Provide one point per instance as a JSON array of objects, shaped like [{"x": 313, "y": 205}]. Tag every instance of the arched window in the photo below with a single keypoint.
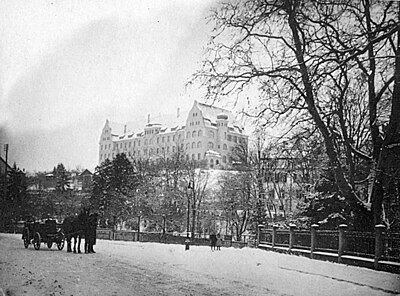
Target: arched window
[
  {"x": 198, "y": 144},
  {"x": 224, "y": 159},
  {"x": 187, "y": 135},
  {"x": 200, "y": 133},
  {"x": 188, "y": 146},
  {"x": 193, "y": 157},
  {"x": 211, "y": 134},
  {"x": 194, "y": 134},
  {"x": 151, "y": 151},
  {"x": 210, "y": 145},
  {"x": 193, "y": 145}
]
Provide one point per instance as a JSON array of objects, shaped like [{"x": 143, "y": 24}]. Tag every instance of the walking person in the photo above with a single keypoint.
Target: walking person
[
  {"x": 219, "y": 242},
  {"x": 213, "y": 241}
]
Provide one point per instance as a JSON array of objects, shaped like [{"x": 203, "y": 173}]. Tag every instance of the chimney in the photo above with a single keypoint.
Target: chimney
[
  {"x": 148, "y": 118},
  {"x": 177, "y": 112}
]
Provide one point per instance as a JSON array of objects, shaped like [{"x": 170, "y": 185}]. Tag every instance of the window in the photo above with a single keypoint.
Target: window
[
  {"x": 200, "y": 133},
  {"x": 101, "y": 156},
  {"x": 168, "y": 149},
  {"x": 173, "y": 138},
  {"x": 210, "y": 134},
  {"x": 224, "y": 159},
  {"x": 199, "y": 144},
  {"x": 151, "y": 142},
  {"x": 217, "y": 162},
  {"x": 163, "y": 139},
  {"x": 120, "y": 145},
  {"x": 198, "y": 156},
  {"x": 187, "y": 146},
  {"x": 193, "y": 157},
  {"x": 187, "y": 135},
  {"x": 194, "y": 133},
  {"x": 173, "y": 148},
  {"x": 168, "y": 139},
  {"x": 130, "y": 143},
  {"x": 211, "y": 162},
  {"x": 225, "y": 147},
  {"x": 193, "y": 145},
  {"x": 229, "y": 138},
  {"x": 210, "y": 145},
  {"x": 158, "y": 140},
  {"x": 145, "y": 142}
]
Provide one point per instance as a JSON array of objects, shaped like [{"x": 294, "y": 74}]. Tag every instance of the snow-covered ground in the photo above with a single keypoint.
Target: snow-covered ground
[{"x": 132, "y": 268}]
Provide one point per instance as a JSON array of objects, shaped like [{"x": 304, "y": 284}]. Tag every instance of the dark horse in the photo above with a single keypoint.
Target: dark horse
[{"x": 74, "y": 227}]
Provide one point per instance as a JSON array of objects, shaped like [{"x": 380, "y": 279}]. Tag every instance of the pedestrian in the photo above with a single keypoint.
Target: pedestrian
[
  {"x": 219, "y": 242},
  {"x": 90, "y": 235},
  {"x": 213, "y": 240}
]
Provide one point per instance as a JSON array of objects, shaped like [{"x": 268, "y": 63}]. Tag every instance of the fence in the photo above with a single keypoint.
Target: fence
[
  {"x": 171, "y": 238},
  {"x": 379, "y": 249}
]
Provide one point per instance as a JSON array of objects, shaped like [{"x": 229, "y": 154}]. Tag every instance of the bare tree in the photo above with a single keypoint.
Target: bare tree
[{"x": 307, "y": 62}]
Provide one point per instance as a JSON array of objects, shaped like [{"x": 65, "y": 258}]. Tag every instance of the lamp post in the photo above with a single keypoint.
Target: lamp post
[{"x": 190, "y": 186}]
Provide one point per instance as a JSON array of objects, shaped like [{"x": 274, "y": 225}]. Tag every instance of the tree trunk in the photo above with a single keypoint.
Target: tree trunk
[{"x": 364, "y": 218}]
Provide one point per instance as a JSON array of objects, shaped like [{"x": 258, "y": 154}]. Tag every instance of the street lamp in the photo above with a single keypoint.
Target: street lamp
[{"x": 190, "y": 186}]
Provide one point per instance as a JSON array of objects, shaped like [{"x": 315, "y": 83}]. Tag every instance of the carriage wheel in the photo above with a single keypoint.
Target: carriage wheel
[
  {"x": 49, "y": 244},
  {"x": 36, "y": 241},
  {"x": 60, "y": 244},
  {"x": 26, "y": 238},
  {"x": 60, "y": 238}
]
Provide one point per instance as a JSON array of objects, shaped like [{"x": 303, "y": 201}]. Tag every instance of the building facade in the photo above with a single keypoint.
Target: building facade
[{"x": 208, "y": 133}]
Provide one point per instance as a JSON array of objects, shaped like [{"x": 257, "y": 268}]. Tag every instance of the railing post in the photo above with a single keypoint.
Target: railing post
[
  {"x": 274, "y": 229},
  {"x": 378, "y": 244},
  {"x": 342, "y": 241},
  {"x": 313, "y": 246},
  {"x": 292, "y": 228},
  {"x": 259, "y": 230}
]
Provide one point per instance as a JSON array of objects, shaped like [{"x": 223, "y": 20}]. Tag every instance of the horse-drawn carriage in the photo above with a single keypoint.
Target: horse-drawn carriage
[
  {"x": 79, "y": 226},
  {"x": 48, "y": 232}
]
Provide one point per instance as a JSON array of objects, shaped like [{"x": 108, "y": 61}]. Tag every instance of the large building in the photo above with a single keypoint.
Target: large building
[{"x": 208, "y": 133}]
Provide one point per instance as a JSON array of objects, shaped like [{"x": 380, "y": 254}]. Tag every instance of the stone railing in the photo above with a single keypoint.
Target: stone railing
[{"x": 379, "y": 249}]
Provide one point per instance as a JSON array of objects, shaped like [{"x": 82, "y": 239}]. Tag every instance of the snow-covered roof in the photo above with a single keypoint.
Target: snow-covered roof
[
  {"x": 211, "y": 114},
  {"x": 212, "y": 153},
  {"x": 133, "y": 129}
]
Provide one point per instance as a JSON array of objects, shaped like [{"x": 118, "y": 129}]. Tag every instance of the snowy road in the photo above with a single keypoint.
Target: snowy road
[{"x": 131, "y": 268}]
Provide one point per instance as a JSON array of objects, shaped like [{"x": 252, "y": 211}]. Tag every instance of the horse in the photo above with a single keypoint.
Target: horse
[{"x": 74, "y": 227}]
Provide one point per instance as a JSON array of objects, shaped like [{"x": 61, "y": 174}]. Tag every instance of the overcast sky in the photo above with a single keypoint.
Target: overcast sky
[{"x": 67, "y": 66}]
